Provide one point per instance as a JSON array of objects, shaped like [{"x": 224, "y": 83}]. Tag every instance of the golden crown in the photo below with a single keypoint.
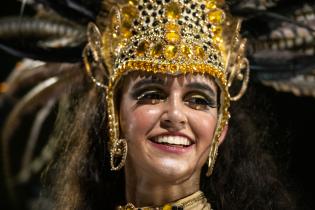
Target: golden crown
[
  {"x": 165, "y": 36},
  {"x": 166, "y": 32}
]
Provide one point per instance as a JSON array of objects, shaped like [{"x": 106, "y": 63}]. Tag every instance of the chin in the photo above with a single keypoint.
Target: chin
[{"x": 173, "y": 171}]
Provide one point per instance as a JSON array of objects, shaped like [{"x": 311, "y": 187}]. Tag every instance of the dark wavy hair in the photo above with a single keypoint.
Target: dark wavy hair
[{"x": 245, "y": 175}]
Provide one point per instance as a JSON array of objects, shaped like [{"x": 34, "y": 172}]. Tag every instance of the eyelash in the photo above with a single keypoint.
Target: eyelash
[
  {"x": 194, "y": 100},
  {"x": 199, "y": 102},
  {"x": 151, "y": 97}
]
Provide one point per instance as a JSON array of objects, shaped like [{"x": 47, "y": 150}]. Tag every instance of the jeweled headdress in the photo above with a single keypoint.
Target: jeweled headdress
[{"x": 169, "y": 37}]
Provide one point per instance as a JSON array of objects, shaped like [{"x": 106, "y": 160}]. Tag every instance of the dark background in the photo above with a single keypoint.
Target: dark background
[{"x": 292, "y": 127}]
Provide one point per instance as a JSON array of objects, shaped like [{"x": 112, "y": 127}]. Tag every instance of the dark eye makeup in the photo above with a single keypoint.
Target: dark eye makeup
[
  {"x": 149, "y": 95},
  {"x": 149, "y": 90},
  {"x": 199, "y": 101},
  {"x": 199, "y": 96}
]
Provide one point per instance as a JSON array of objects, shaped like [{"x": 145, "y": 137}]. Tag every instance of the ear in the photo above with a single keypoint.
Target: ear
[{"x": 223, "y": 134}]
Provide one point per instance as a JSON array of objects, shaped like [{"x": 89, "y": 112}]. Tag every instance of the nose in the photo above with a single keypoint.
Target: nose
[{"x": 174, "y": 117}]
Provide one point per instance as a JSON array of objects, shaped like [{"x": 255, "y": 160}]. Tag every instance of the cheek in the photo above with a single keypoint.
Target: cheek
[
  {"x": 204, "y": 126},
  {"x": 139, "y": 121}
]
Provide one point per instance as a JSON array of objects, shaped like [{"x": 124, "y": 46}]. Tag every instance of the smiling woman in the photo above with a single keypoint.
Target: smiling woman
[
  {"x": 168, "y": 123},
  {"x": 143, "y": 127}
]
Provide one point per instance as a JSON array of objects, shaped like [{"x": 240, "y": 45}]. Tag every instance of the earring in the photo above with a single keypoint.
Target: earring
[
  {"x": 212, "y": 157},
  {"x": 118, "y": 153}
]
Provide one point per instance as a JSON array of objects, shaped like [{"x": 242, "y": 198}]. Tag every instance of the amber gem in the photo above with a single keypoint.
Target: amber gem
[
  {"x": 142, "y": 48},
  {"x": 167, "y": 207},
  {"x": 216, "y": 17},
  {"x": 170, "y": 51},
  {"x": 126, "y": 30},
  {"x": 217, "y": 40},
  {"x": 173, "y": 11},
  {"x": 172, "y": 27},
  {"x": 185, "y": 50},
  {"x": 211, "y": 4},
  {"x": 130, "y": 12},
  {"x": 199, "y": 52},
  {"x": 172, "y": 37},
  {"x": 218, "y": 43},
  {"x": 157, "y": 50},
  {"x": 133, "y": 2},
  {"x": 126, "y": 33},
  {"x": 217, "y": 30}
]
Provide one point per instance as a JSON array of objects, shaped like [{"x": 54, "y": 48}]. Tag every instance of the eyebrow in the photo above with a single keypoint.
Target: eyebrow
[
  {"x": 202, "y": 86},
  {"x": 146, "y": 81}
]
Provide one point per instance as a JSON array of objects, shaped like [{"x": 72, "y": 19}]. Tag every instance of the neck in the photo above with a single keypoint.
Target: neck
[{"x": 147, "y": 190}]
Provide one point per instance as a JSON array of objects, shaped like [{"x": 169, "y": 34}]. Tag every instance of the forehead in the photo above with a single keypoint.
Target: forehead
[{"x": 165, "y": 79}]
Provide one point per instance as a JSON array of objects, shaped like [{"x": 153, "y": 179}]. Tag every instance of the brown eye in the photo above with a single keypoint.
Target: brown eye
[
  {"x": 199, "y": 102},
  {"x": 151, "y": 97}
]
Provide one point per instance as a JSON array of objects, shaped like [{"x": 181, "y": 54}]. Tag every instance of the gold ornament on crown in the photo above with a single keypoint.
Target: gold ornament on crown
[{"x": 170, "y": 37}]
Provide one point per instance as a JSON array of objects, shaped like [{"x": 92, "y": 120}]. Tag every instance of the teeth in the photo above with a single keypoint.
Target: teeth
[{"x": 176, "y": 140}]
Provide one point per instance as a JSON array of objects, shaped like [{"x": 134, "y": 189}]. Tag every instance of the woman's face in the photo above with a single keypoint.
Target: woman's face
[{"x": 169, "y": 123}]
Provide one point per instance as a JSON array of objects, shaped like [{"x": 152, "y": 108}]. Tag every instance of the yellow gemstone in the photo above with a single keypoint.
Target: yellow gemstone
[
  {"x": 217, "y": 40},
  {"x": 142, "y": 48},
  {"x": 162, "y": 68},
  {"x": 199, "y": 52},
  {"x": 218, "y": 43},
  {"x": 115, "y": 35},
  {"x": 157, "y": 50},
  {"x": 155, "y": 69},
  {"x": 133, "y": 2},
  {"x": 127, "y": 19},
  {"x": 126, "y": 30},
  {"x": 172, "y": 37},
  {"x": 172, "y": 27},
  {"x": 185, "y": 50},
  {"x": 173, "y": 11},
  {"x": 173, "y": 68},
  {"x": 216, "y": 17},
  {"x": 129, "y": 65},
  {"x": 126, "y": 33},
  {"x": 170, "y": 52},
  {"x": 167, "y": 207},
  {"x": 126, "y": 24},
  {"x": 130, "y": 11},
  {"x": 217, "y": 30},
  {"x": 211, "y": 4}
]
